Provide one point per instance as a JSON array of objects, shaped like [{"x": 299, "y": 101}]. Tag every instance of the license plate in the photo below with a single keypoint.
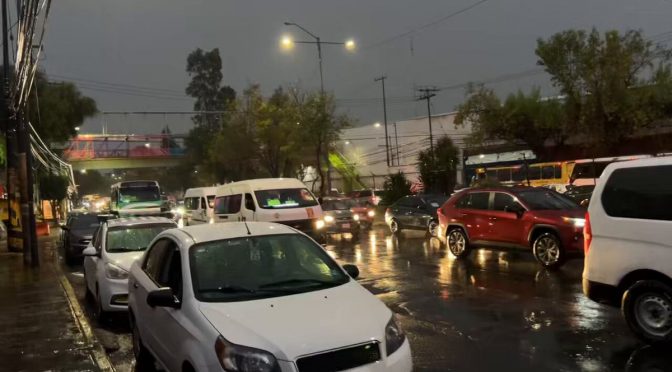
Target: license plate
[{"x": 345, "y": 225}]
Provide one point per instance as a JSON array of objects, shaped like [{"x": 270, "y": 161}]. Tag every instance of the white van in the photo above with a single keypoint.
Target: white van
[
  {"x": 282, "y": 200},
  {"x": 199, "y": 205},
  {"x": 628, "y": 244}
]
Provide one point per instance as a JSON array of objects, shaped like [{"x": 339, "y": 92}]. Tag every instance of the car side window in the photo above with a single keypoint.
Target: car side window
[
  {"x": 170, "y": 273},
  {"x": 155, "y": 257},
  {"x": 476, "y": 200},
  {"x": 642, "y": 193},
  {"x": 503, "y": 200},
  {"x": 204, "y": 206},
  {"x": 228, "y": 204},
  {"x": 249, "y": 202}
]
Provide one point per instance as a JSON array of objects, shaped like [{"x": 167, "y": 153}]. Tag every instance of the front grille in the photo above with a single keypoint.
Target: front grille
[
  {"x": 342, "y": 359},
  {"x": 344, "y": 219},
  {"x": 301, "y": 225}
]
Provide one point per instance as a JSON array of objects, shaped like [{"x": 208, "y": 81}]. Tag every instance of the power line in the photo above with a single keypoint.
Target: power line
[{"x": 425, "y": 26}]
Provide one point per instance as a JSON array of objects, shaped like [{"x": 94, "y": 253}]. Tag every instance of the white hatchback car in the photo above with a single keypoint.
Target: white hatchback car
[
  {"x": 115, "y": 246},
  {"x": 258, "y": 297},
  {"x": 628, "y": 244}
]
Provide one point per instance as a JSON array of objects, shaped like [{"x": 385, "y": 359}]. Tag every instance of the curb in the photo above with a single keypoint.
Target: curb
[{"x": 99, "y": 354}]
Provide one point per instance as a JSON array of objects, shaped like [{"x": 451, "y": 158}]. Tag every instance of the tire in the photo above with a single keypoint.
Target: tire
[
  {"x": 395, "y": 227},
  {"x": 88, "y": 295},
  {"x": 458, "y": 242},
  {"x": 548, "y": 250},
  {"x": 647, "y": 308},
  {"x": 98, "y": 311},
  {"x": 432, "y": 228},
  {"x": 143, "y": 359}
]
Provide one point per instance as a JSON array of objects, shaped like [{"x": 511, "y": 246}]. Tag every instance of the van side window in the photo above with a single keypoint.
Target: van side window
[
  {"x": 642, "y": 193},
  {"x": 228, "y": 204},
  {"x": 249, "y": 202},
  {"x": 203, "y": 205},
  {"x": 191, "y": 204}
]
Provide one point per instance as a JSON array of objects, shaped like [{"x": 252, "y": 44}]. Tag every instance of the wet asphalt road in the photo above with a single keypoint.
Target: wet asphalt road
[{"x": 494, "y": 311}]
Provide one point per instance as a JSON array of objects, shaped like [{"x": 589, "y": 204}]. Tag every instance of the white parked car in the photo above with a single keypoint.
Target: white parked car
[
  {"x": 115, "y": 246},
  {"x": 257, "y": 297},
  {"x": 628, "y": 244}
]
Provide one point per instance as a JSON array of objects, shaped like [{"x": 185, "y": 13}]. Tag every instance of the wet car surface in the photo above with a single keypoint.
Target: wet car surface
[{"x": 496, "y": 310}]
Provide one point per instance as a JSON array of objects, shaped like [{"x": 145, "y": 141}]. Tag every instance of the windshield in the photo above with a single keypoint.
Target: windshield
[
  {"x": 285, "y": 198},
  {"x": 133, "y": 238},
  {"x": 257, "y": 267},
  {"x": 333, "y": 205},
  {"x": 139, "y": 194},
  {"x": 85, "y": 221},
  {"x": 544, "y": 199}
]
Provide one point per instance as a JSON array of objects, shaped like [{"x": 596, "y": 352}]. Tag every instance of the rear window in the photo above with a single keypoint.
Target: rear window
[
  {"x": 87, "y": 221},
  {"x": 642, "y": 193},
  {"x": 228, "y": 204}
]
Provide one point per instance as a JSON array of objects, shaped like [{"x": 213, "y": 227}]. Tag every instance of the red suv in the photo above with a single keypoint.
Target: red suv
[{"x": 539, "y": 219}]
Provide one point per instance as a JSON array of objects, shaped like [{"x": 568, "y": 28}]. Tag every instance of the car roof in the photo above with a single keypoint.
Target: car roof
[
  {"x": 230, "y": 230},
  {"x": 661, "y": 160},
  {"x": 134, "y": 221}
]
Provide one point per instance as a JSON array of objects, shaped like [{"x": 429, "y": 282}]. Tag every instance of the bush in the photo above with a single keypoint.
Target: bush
[{"x": 396, "y": 186}]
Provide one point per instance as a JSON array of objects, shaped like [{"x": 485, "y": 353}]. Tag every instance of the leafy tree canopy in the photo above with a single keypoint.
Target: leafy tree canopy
[{"x": 438, "y": 172}]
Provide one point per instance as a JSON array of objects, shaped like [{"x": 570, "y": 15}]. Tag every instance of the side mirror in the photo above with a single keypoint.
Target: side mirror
[
  {"x": 90, "y": 251},
  {"x": 517, "y": 209},
  {"x": 352, "y": 270},
  {"x": 65, "y": 227},
  {"x": 163, "y": 297}
]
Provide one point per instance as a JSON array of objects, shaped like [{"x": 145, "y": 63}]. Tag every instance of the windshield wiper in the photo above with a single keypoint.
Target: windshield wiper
[
  {"x": 302, "y": 281},
  {"x": 125, "y": 249},
  {"x": 233, "y": 288}
]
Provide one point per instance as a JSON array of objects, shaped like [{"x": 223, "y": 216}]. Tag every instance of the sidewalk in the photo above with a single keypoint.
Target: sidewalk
[{"x": 41, "y": 328}]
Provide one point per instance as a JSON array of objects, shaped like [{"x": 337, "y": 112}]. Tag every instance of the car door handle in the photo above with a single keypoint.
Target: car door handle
[{"x": 135, "y": 285}]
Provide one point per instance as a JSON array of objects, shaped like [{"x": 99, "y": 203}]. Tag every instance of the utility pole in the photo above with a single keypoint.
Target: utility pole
[
  {"x": 387, "y": 143},
  {"x": 396, "y": 143},
  {"x": 9, "y": 128},
  {"x": 427, "y": 94}
]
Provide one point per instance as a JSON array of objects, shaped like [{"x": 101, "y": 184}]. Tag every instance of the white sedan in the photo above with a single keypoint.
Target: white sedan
[
  {"x": 115, "y": 246},
  {"x": 258, "y": 297}
]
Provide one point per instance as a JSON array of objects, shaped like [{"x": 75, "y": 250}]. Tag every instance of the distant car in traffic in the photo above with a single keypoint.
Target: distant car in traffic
[
  {"x": 628, "y": 245},
  {"x": 76, "y": 234},
  {"x": 536, "y": 219},
  {"x": 365, "y": 212},
  {"x": 371, "y": 196},
  {"x": 415, "y": 213},
  {"x": 256, "y": 296},
  {"x": 108, "y": 258},
  {"x": 580, "y": 194},
  {"x": 338, "y": 218}
]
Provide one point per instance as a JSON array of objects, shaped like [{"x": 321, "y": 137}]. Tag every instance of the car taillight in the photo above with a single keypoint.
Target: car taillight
[{"x": 587, "y": 234}]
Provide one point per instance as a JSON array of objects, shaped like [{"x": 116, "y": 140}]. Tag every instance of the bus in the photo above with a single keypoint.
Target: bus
[
  {"x": 557, "y": 175},
  {"x": 138, "y": 198}
]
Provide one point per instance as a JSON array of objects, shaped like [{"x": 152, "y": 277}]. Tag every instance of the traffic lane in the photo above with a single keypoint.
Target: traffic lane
[
  {"x": 113, "y": 333},
  {"x": 494, "y": 309}
]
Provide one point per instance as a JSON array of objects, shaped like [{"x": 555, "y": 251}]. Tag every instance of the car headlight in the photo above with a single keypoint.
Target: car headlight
[
  {"x": 319, "y": 224},
  {"x": 371, "y": 213},
  {"x": 355, "y": 217},
  {"x": 577, "y": 222},
  {"x": 244, "y": 359},
  {"x": 328, "y": 219},
  {"x": 394, "y": 336},
  {"x": 113, "y": 271}
]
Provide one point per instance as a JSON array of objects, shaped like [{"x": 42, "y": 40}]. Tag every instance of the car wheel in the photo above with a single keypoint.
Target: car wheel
[
  {"x": 99, "y": 312},
  {"x": 432, "y": 228},
  {"x": 458, "y": 244},
  {"x": 143, "y": 358},
  {"x": 548, "y": 251},
  {"x": 394, "y": 227},
  {"x": 647, "y": 308}
]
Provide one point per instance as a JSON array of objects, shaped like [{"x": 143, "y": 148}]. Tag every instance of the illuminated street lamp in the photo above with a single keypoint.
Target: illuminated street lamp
[
  {"x": 287, "y": 43},
  {"x": 376, "y": 125},
  {"x": 76, "y": 129}
]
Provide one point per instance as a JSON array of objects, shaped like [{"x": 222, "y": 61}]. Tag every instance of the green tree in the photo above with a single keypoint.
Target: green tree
[
  {"x": 54, "y": 188},
  {"x": 612, "y": 84},
  {"x": 438, "y": 172},
  {"x": 396, "y": 186},
  {"x": 205, "y": 70},
  {"x": 58, "y": 109}
]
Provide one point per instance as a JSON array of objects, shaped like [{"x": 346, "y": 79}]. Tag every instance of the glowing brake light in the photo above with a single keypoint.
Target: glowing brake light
[{"x": 587, "y": 234}]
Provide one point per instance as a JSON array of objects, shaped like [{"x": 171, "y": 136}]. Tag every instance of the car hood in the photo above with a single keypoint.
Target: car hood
[
  {"x": 305, "y": 323},
  {"x": 124, "y": 259},
  {"x": 558, "y": 214},
  {"x": 339, "y": 213}
]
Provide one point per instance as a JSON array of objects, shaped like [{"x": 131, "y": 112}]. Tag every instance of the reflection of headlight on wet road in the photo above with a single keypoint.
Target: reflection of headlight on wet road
[
  {"x": 328, "y": 219},
  {"x": 319, "y": 224}
]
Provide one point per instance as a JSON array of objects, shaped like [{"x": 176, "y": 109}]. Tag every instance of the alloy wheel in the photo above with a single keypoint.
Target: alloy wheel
[
  {"x": 432, "y": 228},
  {"x": 547, "y": 250},
  {"x": 456, "y": 242}
]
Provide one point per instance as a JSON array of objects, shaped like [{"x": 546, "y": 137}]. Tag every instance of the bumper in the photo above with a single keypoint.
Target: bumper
[
  {"x": 352, "y": 227},
  {"x": 114, "y": 294},
  {"x": 602, "y": 293}
]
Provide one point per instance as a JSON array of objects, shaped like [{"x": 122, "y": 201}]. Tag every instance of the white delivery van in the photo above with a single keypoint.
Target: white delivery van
[
  {"x": 282, "y": 200},
  {"x": 199, "y": 205}
]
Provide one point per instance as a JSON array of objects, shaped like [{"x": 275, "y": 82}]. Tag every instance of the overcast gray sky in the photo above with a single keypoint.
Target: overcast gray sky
[{"x": 144, "y": 44}]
